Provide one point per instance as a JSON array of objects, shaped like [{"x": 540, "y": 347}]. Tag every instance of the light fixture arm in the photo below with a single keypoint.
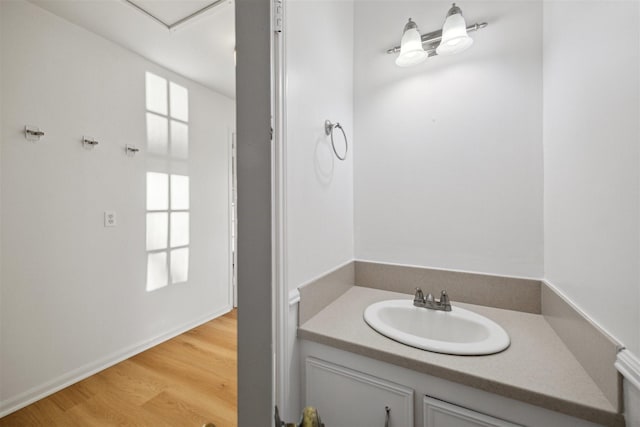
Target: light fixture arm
[{"x": 433, "y": 38}]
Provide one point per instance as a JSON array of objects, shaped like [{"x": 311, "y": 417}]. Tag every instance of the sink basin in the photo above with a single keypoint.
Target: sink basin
[{"x": 458, "y": 331}]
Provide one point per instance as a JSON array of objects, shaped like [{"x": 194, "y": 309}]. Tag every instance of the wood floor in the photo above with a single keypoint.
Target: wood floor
[{"x": 187, "y": 381}]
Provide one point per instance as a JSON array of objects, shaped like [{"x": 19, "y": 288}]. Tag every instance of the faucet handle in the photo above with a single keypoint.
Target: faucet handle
[
  {"x": 444, "y": 297},
  {"x": 419, "y": 296},
  {"x": 444, "y": 300}
]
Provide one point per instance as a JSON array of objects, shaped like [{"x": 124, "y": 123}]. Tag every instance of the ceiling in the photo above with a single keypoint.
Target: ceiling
[
  {"x": 172, "y": 12},
  {"x": 201, "y": 49}
]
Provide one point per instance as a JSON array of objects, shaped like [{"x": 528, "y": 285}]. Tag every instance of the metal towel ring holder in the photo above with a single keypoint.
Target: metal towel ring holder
[{"x": 328, "y": 130}]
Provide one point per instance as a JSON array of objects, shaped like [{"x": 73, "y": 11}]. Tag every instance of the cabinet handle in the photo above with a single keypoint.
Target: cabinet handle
[{"x": 387, "y": 417}]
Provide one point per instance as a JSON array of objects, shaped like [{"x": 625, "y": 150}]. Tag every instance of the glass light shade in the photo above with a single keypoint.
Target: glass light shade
[
  {"x": 454, "y": 36},
  {"x": 411, "y": 51}
]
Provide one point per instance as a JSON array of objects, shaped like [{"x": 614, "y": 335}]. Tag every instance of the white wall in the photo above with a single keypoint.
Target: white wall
[
  {"x": 73, "y": 291},
  {"x": 319, "y": 188},
  {"x": 591, "y": 160},
  {"x": 448, "y": 163},
  {"x": 319, "y": 74}
]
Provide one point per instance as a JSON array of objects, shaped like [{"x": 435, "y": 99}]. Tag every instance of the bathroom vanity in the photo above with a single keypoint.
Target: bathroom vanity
[{"x": 358, "y": 377}]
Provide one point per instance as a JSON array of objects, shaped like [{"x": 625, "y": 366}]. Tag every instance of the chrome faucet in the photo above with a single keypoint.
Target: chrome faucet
[{"x": 443, "y": 303}]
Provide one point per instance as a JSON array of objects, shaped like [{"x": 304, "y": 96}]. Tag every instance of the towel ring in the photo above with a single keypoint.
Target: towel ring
[{"x": 328, "y": 130}]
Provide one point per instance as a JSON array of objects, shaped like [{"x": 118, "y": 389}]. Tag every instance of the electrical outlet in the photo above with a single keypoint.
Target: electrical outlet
[{"x": 110, "y": 219}]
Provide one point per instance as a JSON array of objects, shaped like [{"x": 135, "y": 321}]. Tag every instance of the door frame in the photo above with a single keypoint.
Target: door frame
[{"x": 255, "y": 212}]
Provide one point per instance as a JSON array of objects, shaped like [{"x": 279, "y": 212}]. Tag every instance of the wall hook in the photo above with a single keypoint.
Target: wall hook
[
  {"x": 89, "y": 142},
  {"x": 32, "y": 133},
  {"x": 131, "y": 150}
]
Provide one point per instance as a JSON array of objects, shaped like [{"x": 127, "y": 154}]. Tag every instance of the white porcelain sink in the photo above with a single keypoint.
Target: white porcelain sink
[{"x": 458, "y": 331}]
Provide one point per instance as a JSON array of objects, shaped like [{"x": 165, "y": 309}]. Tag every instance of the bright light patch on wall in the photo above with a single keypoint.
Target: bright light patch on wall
[
  {"x": 157, "y": 134},
  {"x": 179, "y": 103},
  {"x": 179, "y": 229},
  {"x": 156, "y": 94},
  {"x": 157, "y": 191},
  {"x": 157, "y": 230},
  {"x": 157, "y": 276},
  {"x": 168, "y": 216},
  {"x": 180, "y": 265},
  {"x": 179, "y": 192},
  {"x": 179, "y": 140}
]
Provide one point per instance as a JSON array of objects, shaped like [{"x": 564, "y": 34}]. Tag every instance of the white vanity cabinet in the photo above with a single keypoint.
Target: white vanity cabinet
[
  {"x": 347, "y": 398},
  {"x": 437, "y": 413},
  {"x": 351, "y": 390}
]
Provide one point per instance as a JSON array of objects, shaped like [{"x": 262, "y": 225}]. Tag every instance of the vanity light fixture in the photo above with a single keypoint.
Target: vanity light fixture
[
  {"x": 453, "y": 38},
  {"x": 411, "y": 50},
  {"x": 454, "y": 33}
]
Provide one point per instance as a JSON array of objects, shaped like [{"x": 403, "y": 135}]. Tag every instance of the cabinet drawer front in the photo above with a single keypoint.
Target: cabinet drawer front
[
  {"x": 442, "y": 414},
  {"x": 347, "y": 398}
]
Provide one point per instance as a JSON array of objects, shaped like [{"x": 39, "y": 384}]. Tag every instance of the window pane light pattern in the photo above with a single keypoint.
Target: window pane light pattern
[
  {"x": 157, "y": 134},
  {"x": 179, "y": 140},
  {"x": 156, "y": 93},
  {"x": 168, "y": 229},
  {"x": 167, "y": 204},
  {"x": 179, "y": 105}
]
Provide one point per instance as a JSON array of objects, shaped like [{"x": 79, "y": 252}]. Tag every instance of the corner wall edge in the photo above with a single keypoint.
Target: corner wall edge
[
  {"x": 628, "y": 365},
  {"x": 294, "y": 297}
]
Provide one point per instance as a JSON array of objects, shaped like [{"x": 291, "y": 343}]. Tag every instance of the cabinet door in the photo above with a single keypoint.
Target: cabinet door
[
  {"x": 442, "y": 414},
  {"x": 347, "y": 398}
]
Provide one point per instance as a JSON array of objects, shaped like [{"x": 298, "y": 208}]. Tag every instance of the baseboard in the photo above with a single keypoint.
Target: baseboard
[
  {"x": 629, "y": 366},
  {"x": 36, "y": 393}
]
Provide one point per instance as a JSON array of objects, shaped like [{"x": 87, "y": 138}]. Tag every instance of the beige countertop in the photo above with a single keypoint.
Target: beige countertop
[{"x": 537, "y": 368}]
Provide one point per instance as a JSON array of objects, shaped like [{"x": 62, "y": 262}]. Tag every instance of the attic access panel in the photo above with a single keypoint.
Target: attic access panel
[{"x": 172, "y": 14}]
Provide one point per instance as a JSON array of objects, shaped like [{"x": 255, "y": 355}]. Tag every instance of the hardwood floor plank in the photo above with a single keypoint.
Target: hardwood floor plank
[
  {"x": 181, "y": 411},
  {"x": 69, "y": 397},
  {"x": 110, "y": 382},
  {"x": 190, "y": 363},
  {"x": 175, "y": 411},
  {"x": 111, "y": 409},
  {"x": 40, "y": 414},
  {"x": 187, "y": 381}
]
